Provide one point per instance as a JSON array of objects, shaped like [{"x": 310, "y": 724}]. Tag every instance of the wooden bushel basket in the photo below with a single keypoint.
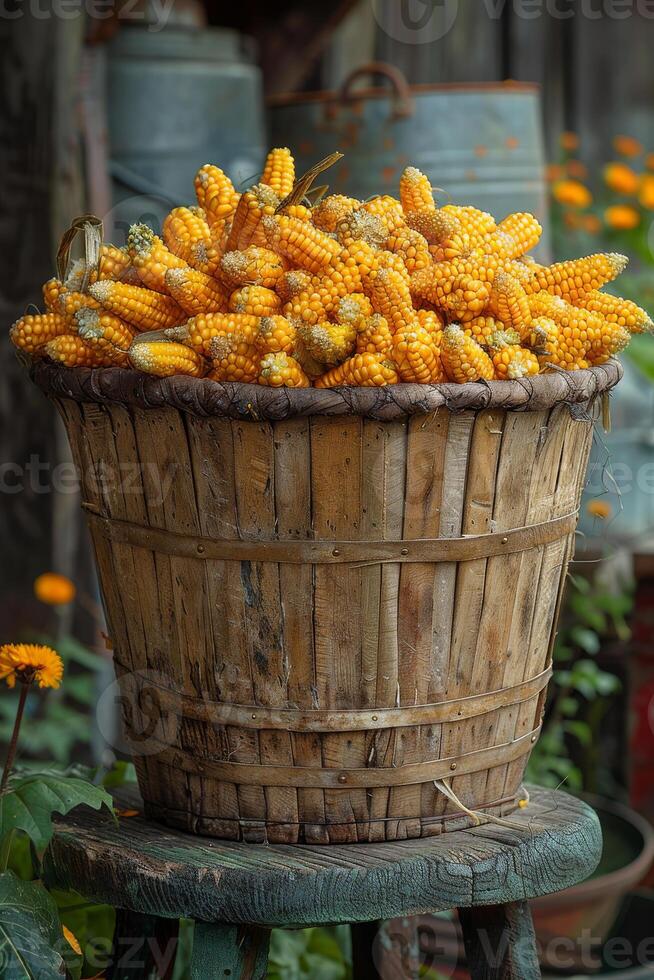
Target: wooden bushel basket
[{"x": 332, "y": 611}]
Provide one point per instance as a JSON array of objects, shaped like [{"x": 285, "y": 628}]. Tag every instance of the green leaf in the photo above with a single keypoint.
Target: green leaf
[
  {"x": 581, "y": 731},
  {"x": 587, "y": 639},
  {"x": 568, "y": 707},
  {"x": 30, "y": 801},
  {"x": 121, "y": 773},
  {"x": 32, "y": 945}
]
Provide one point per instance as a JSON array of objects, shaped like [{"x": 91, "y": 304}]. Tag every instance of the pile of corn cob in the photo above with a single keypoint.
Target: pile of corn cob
[{"x": 264, "y": 287}]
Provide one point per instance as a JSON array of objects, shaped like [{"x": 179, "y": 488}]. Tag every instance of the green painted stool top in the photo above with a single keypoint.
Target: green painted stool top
[{"x": 552, "y": 844}]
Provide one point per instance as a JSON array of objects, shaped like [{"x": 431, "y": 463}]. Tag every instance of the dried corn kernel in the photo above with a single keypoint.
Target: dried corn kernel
[
  {"x": 332, "y": 209},
  {"x": 460, "y": 296},
  {"x": 623, "y": 312},
  {"x": 389, "y": 210},
  {"x": 412, "y": 249},
  {"x": 72, "y": 301},
  {"x": 365, "y": 370},
  {"x": 52, "y": 290},
  {"x": 247, "y": 227},
  {"x": 151, "y": 258},
  {"x": 300, "y": 242},
  {"x": 482, "y": 328},
  {"x": 282, "y": 371},
  {"x": 575, "y": 279},
  {"x": 255, "y": 300},
  {"x": 143, "y": 308},
  {"x": 164, "y": 358},
  {"x": 354, "y": 309},
  {"x": 577, "y": 330},
  {"x": 254, "y": 266},
  {"x": 374, "y": 336},
  {"x": 510, "y": 360},
  {"x": 328, "y": 343},
  {"x": 437, "y": 227},
  {"x": 389, "y": 293},
  {"x": 432, "y": 322},
  {"x": 361, "y": 226},
  {"x": 71, "y": 351},
  {"x": 463, "y": 359},
  {"x": 105, "y": 332},
  {"x": 510, "y": 304},
  {"x": 517, "y": 234},
  {"x": 188, "y": 235},
  {"x": 291, "y": 284},
  {"x": 198, "y": 332},
  {"x": 216, "y": 196},
  {"x": 416, "y": 193},
  {"x": 115, "y": 262}
]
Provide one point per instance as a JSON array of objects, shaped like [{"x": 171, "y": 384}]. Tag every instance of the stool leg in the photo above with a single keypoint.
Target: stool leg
[
  {"x": 500, "y": 942},
  {"x": 237, "y": 952},
  {"x": 364, "y": 935},
  {"x": 144, "y": 947}
]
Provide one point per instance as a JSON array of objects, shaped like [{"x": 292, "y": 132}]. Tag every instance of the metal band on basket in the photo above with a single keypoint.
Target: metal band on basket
[{"x": 469, "y": 548}]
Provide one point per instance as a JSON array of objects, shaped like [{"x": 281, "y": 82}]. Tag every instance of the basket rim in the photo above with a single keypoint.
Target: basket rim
[{"x": 250, "y": 402}]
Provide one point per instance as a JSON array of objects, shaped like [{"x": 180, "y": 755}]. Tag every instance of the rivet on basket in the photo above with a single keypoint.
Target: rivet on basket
[
  {"x": 200, "y": 549},
  {"x": 335, "y": 552},
  {"x": 504, "y": 540},
  {"x": 405, "y": 551},
  {"x": 342, "y": 778},
  {"x": 374, "y": 717},
  {"x": 453, "y": 766}
]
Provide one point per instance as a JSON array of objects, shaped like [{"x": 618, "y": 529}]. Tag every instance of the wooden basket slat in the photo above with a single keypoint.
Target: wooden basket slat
[{"x": 339, "y": 636}]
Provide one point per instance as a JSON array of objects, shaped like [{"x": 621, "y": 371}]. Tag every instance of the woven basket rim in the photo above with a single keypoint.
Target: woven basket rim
[{"x": 204, "y": 398}]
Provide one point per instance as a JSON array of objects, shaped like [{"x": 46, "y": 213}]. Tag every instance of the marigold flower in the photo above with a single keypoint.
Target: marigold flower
[
  {"x": 622, "y": 217},
  {"x": 621, "y": 178},
  {"x": 572, "y": 193},
  {"x": 649, "y": 161},
  {"x": 627, "y": 146},
  {"x": 577, "y": 169},
  {"x": 569, "y": 141},
  {"x": 28, "y": 662},
  {"x": 54, "y": 589},
  {"x": 71, "y": 939},
  {"x": 554, "y": 172},
  {"x": 591, "y": 223},
  {"x": 599, "y": 508},
  {"x": 646, "y": 194}
]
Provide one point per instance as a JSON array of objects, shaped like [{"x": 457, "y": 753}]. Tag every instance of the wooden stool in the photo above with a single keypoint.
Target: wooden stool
[{"x": 237, "y": 893}]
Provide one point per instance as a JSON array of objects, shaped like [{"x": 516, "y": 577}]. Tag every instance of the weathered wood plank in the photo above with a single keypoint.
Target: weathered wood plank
[
  {"x": 226, "y": 951},
  {"x": 500, "y": 942}
]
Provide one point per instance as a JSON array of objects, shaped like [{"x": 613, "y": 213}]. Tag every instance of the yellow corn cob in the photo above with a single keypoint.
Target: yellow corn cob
[
  {"x": 143, "y": 308},
  {"x": 510, "y": 360},
  {"x": 361, "y": 226},
  {"x": 577, "y": 330},
  {"x": 306, "y": 306},
  {"x": 390, "y": 295},
  {"x": 510, "y": 304},
  {"x": 52, "y": 290},
  {"x": 247, "y": 228},
  {"x": 33, "y": 331},
  {"x": 300, "y": 242},
  {"x": 623, "y": 312},
  {"x": 354, "y": 309},
  {"x": 389, "y": 210},
  {"x": 328, "y": 343},
  {"x": 188, "y": 235},
  {"x": 474, "y": 223},
  {"x": 432, "y": 322},
  {"x": 165, "y": 358},
  {"x": 365, "y": 370},
  {"x": 311, "y": 367},
  {"x": 279, "y": 172},
  {"x": 234, "y": 358},
  {"x": 291, "y": 284},
  {"x": 115, "y": 262},
  {"x": 332, "y": 209},
  {"x": 612, "y": 340},
  {"x": 198, "y": 332},
  {"x": 412, "y": 248},
  {"x": 151, "y": 258},
  {"x": 437, "y": 226},
  {"x": 195, "y": 292},
  {"x": 542, "y": 332},
  {"x": 521, "y": 271},
  {"x": 374, "y": 336},
  {"x": 255, "y": 300},
  {"x": 457, "y": 247},
  {"x": 216, "y": 196},
  {"x": 71, "y": 351},
  {"x": 462, "y": 357},
  {"x": 71, "y": 302},
  {"x": 282, "y": 371},
  {"x": 415, "y": 356},
  {"x": 479, "y": 265},
  {"x": 517, "y": 234},
  {"x": 105, "y": 332},
  {"x": 575, "y": 279},
  {"x": 482, "y": 328},
  {"x": 274, "y": 334},
  {"x": 461, "y": 296},
  {"x": 255, "y": 266},
  {"x": 416, "y": 192}
]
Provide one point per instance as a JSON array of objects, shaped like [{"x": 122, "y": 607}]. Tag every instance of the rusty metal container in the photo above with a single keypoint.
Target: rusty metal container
[{"x": 482, "y": 144}]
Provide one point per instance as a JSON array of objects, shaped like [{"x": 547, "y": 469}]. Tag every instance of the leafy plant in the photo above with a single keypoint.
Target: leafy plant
[{"x": 581, "y": 692}]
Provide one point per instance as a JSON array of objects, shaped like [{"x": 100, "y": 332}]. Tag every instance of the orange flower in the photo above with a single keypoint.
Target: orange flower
[
  {"x": 646, "y": 195},
  {"x": 627, "y": 146},
  {"x": 569, "y": 141},
  {"x": 554, "y": 172},
  {"x": 71, "y": 939},
  {"x": 649, "y": 161},
  {"x": 622, "y": 217},
  {"x": 591, "y": 223},
  {"x": 572, "y": 193},
  {"x": 27, "y": 662},
  {"x": 55, "y": 590},
  {"x": 599, "y": 508},
  {"x": 572, "y": 219},
  {"x": 577, "y": 169},
  {"x": 621, "y": 178}
]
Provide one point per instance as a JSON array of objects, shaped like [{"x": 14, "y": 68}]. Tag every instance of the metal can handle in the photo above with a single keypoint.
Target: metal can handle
[{"x": 404, "y": 106}]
